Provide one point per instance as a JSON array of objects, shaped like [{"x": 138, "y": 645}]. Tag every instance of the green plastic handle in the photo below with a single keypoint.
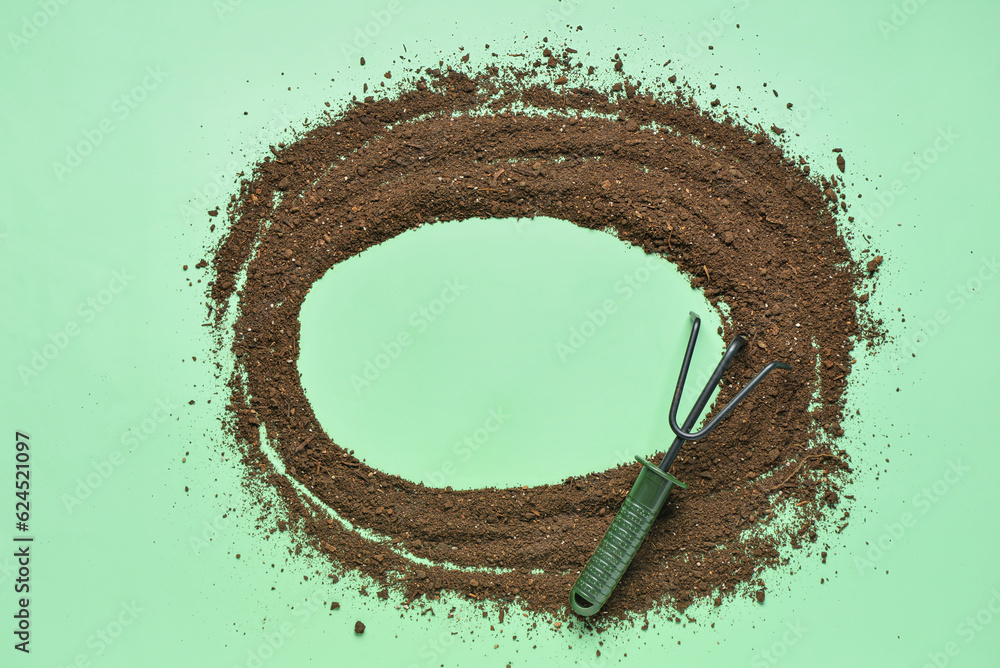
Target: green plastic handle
[{"x": 622, "y": 540}]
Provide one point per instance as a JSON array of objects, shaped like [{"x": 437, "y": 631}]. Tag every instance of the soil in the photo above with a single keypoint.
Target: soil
[{"x": 742, "y": 219}]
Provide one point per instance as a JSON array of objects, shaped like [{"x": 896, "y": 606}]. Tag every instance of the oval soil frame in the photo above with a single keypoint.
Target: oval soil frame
[{"x": 721, "y": 202}]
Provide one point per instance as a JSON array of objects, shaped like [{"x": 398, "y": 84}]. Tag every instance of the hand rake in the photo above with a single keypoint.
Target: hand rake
[{"x": 644, "y": 502}]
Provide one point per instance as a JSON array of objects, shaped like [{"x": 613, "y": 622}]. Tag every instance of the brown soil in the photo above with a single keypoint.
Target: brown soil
[{"x": 733, "y": 211}]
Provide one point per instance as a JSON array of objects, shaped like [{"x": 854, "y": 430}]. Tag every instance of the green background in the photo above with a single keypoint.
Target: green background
[{"x": 902, "y": 88}]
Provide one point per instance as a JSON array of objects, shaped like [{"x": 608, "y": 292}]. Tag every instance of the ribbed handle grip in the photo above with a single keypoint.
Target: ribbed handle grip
[{"x": 622, "y": 540}]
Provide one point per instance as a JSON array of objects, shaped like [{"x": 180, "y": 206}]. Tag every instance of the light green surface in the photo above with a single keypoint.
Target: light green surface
[
  {"x": 500, "y": 353},
  {"x": 136, "y": 203}
]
